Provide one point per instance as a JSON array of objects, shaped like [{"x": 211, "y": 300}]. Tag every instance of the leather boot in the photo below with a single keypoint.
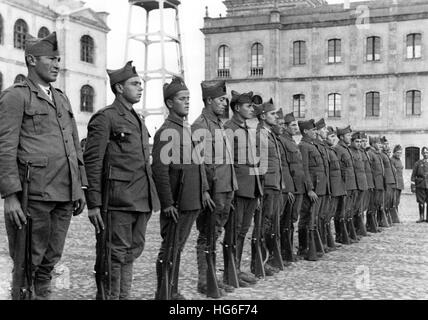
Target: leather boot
[
  {"x": 312, "y": 249},
  {"x": 202, "y": 266},
  {"x": 421, "y": 212},
  {"x": 388, "y": 216},
  {"x": 330, "y": 240},
  {"x": 394, "y": 215},
  {"x": 371, "y": 222},
  {"x": 383, "y": 219},
  {"x": 159, "y": 278},
  {"x": 344, "y": 235},
  {"x": 175, "y": 294},
  {"x": 318, "y": 242},
  {"x": 115, "y": 281},
  {"x": 337, "y": 229},
  {"x": 286, "y": 246},
  {"x": 361, "y": 230},
  {"x": 125, "y": 281},
  {"x": 303, "y": 242},
  {"x": 351, "y": 228}
]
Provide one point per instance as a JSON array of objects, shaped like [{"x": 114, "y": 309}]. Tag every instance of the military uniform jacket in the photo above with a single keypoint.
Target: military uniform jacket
[
  {"x": 336, "y": 182},
  {"x": 377, "y": 168},
  {"x": 367, "y": 169},
  {"x": 322, "y": 148},
  {"x": 346, "y": 165},
  {"x": 273, "y": 177},
  {"x": 398, "y": 167},
  {"x": 313, "y": 165},
  {"x": 388, "y": 173},
  {"x": 208, "y": 130},
  {"x": 286, "y": 173},
  {"x": 244, "y": 156},
  {"x": 420, "y": 174},
  {"x": 36, "y": 129},
  {"x": 294, "y": 159},
  {"x": 359, "y": 169},
  {"x": 117, "y": 148},
  {"x": 180, "y": 175}
]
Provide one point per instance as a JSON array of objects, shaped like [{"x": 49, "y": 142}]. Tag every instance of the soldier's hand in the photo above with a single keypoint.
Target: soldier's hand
[
  {"x": 13, "y": 210},
  {"x": 207, "y": 201},
  {"x": 291, "y": 197},
  {"x": 171, "y": 212},
  {"x": 78, "y": 206},
  {"x": 313, "y": 196},
  {"x": 94, "y": 216}
]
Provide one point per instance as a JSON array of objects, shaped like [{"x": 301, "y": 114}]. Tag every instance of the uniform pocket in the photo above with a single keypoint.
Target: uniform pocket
[
  {"x": 40, "y": 118},
  {"x": 119, "y": 184},
  {"x": 38, "y": 164}
]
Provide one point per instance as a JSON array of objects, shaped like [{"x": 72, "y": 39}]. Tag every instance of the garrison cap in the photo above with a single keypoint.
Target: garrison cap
[
  {"x": 47, "y": 46},
  {"x": 280, "y": 113},
  {"x": 397, "y": 147},
  {"x": 289, "y": 117},
  {"x": 343, "y": 131},
  {"x": 363, "y": 135},
  {"x": 240, "y": 98},
  {"x": 308, "y": 125},
  {"x": 122, "y": 74},
  {"x": 374, "y": 139},
  {"x": 257, "y": 99},
  {"x": 320, "y": 124},
  {"x": 170, "y": 89},
  {"x": 383, "y": 139},
  {"x": 356, "y": 135},
  {"x": 213, "y": 89},
  {"x": 264, "y": 107},
  {"x": 330, "y": 130}
]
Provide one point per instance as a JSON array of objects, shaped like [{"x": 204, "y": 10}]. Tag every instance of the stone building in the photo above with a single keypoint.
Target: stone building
[
  {"x": 364, "y": 63},
  {"x": 82, "y": 37}
]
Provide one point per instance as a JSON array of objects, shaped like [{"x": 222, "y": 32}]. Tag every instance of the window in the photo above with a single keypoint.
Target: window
[
  {"x": 372, "y": 104},
  {"x": 373, "y": 48},
  {"x": 412, "y": 155},
  {"x": 87, "y": 49},
  {"x": 413, "y": 103},
  {"x": 87, "y": 99},
  {"x": 19, "y": 78},
  {"x": 299, "y": 105},
  {"x": 1, "y": 29},
  {"x": 1, "y": 82},
  {"x": 257, "y": 59},
  {"x": 43, "y": 32},
  {"x": 334, "y": 51},
  {"x": 414, "y": 47},
  {"x": 19, "y": 31},
  {"x": 223, "y": 70},
  {"x": 299, "y": 52},
  {"x": 334, "y": 104}
]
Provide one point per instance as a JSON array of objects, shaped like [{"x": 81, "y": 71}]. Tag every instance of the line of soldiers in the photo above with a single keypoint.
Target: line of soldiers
[{"x": 223, "y": 176}]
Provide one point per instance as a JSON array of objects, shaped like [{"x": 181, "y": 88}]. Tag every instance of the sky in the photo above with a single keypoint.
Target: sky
[{"x": 192, "y": 13}]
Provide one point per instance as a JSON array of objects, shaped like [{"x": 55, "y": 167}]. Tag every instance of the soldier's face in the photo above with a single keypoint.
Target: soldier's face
[
  {"x": 219, "y": 105},
  {"x": 363, "y": 143},
  {"x": 398, "y": 153},
  {"x": 271, "y": 118},
  {"x": 331, "y": 139},
  {"x": 179, "y": 104},
  {"x": 246, "y": 110},
  {"x": 347, "y": 138},
  {"x": 323, "y": 133},
  {"x": 292, "y": 128},
  {"x": 425, "y": 153},
  {"x": 131, "y": 90},
  {"x": 47, "y": 68},
  {"x": 356, "y": 143},
  {"x": 311, "y": 133}
]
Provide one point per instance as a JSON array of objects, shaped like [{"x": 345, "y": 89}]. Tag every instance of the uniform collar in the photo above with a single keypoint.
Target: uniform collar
[
  {"x": 307, "y": 139},
  {"x": 210, "y": 115},
  {"x": 176, "y": 119},
  {"x": 238, "y": 122}
]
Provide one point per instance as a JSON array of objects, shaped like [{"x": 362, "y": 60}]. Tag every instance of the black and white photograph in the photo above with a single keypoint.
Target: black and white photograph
[{"x": 217, "y": 151}]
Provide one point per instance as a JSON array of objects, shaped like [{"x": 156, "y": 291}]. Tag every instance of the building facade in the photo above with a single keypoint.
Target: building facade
[
  {"x": 82, "y": 37},
  {"x": 364, "y": 65}
]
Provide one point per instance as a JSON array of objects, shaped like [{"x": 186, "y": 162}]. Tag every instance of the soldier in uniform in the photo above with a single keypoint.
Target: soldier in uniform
[
  {"x": 398, "y": 167},
  {"x": 321, "y": 131},
  {"x": 376, "y": 198},
  {"x": 117, "y": 151},
  {"x": 273, "y": 183},
  {"x": 209, "y": 129},
  {"x": 294, "y": 159},
  {"x": 361, "y": 181},
  {"x": 38, "y": 131},
  {"x": 316, "y": 181},
  {"x": 420, "y": 178},
  {"x": 389, "y": 179},
  {"x": 369, "y": 175},
  {"x": 348, "y": 175},
  {"x": 338, "y": 190},
  {"x": 249, "y": 184},
  {"x": 180, "y": 180}
]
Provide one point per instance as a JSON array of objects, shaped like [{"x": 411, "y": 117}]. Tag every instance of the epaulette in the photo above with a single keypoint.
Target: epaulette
[{"x": 59, "y": 90}]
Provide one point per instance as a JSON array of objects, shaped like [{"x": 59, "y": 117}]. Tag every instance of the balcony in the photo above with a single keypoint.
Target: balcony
[
  {"x": 223, "y": 73},
  {"x": 257, "y": 72}
]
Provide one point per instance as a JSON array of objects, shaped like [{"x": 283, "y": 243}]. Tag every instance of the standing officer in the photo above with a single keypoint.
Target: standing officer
[
  {"x": 38, "y": 131},
  {"x": 361, "y": 181},
  {"x": 338, "y": 189},
  {"x": 398, "y": 167},
  {"x": 389, "y": 179},
  {"x": 420, "y": 178},
  {"x": 117, "y": 151},
  {"x": 316, "y": 181},
  {"x": 294, "y": 159},
  {"x": 249, "y": 185},
  {"x": 180, "y": 179},
  {"x": 348, "y": 175},
  {"x": 219, "y": 170},
  {"x": 369, "y": 175}
]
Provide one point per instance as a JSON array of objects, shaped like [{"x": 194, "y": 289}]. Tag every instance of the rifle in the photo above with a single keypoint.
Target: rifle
[
  {"x": 276, "y": 241},
  {"x": 23, "y": 264},
  {"x": 169, "y": 263},
  {"x": 256, "y": 244},
  {"x": 103, "y": 247},
  {"x": 210, "y": 253},
  {"x": 229, "y": 251}
]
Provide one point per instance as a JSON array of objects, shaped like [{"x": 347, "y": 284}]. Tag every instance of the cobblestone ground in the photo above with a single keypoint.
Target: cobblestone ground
[{"x": 392, "y": 264}]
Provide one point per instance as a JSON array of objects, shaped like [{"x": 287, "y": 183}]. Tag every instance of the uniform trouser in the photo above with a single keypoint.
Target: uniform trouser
[
  {"x": 338, "y": 204},
  {"x": 244, "y": 212},
  {"x": 289, "y": 215},
  {"x": 185, "y": 222},
  {"x": 222, "y": 201},
  {"x": 272, "y": 204},
  {"x": 397, "y": 196},
  {"x": 309, "y": 212},
  {"x": 357, "y": 208},
  {"x": 128, "y": 232},
  {"x": 50, "y": 221},
  {"x": 366, "y": 199},
  {"x": 388, "y": 197}
]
